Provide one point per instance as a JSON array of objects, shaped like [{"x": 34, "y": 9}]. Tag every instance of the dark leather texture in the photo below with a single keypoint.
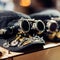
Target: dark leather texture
[{"x": 9, "y": 18}]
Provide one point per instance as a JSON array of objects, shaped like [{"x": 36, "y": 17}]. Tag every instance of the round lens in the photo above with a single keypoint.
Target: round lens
[
  {"x": 53, "y": 27},
  {"x": 25, "y": 26},
  {"x": 40, "y": 26}
]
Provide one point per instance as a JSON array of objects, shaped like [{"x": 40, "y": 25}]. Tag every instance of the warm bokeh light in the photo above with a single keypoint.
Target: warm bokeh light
[{"x": 25, "y": 3}]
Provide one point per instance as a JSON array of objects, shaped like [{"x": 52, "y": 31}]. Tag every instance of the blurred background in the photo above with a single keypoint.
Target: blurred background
[{"x": 29, "y": 6}]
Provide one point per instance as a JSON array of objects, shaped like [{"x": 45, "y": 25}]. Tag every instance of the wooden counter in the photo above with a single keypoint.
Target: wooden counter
[{"x": 47, "y": 54}]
